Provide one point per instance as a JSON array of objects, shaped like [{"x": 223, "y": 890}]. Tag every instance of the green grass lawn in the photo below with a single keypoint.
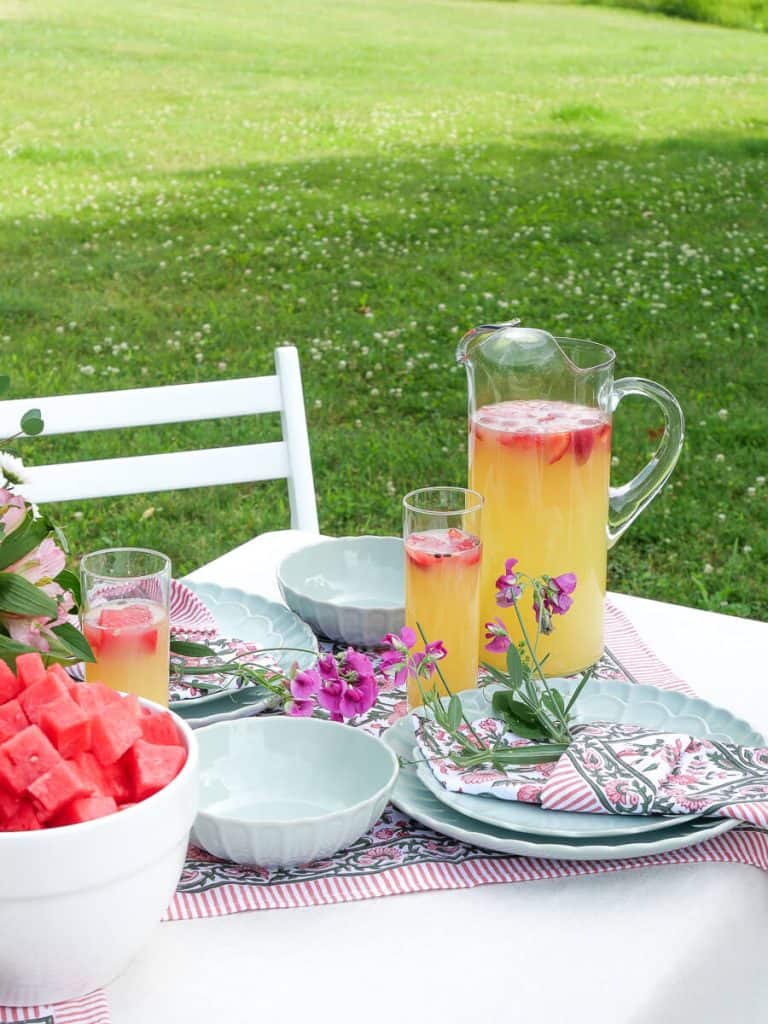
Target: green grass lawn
[
  {"x": 186, "y": 185},
  {"x": 735, "y": 13}
]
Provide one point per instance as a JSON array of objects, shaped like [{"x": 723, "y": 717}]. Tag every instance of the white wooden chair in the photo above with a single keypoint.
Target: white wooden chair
[{"x": 178, "y": 403}]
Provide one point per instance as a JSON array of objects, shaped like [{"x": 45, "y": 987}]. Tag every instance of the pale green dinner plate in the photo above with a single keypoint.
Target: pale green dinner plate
[
  {"x": 414, "y": 799},
  {"x": 602, "y": 700},
  {"x": 254, "y": 619}
]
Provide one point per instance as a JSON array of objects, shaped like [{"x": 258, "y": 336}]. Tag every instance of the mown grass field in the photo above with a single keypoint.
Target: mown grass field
[{"x": 186, "y": 185}]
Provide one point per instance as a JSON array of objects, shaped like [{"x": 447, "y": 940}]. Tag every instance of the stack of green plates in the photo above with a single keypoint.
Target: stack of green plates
[{"x": 518, "y": 828}]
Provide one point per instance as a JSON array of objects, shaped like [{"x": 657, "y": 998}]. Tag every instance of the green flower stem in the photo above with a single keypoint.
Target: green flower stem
[
  {"x": 582, "y": 683},
  {"x": 447, "y": 687},
  {"x": 539, "y": 669},
  {"x": 523, "y": 756}
]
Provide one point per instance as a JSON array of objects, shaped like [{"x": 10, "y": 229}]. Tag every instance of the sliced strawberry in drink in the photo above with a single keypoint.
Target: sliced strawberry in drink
[
  {"x": 555, "y": 447},
  {"x": 583, "y": 440}
]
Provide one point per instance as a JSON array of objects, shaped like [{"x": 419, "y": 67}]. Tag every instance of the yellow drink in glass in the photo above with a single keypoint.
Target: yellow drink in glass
[
  {"x": 543, "y": 468},
  {"x": 443, "y": 553},
  {"x": 130, "y": 640}
]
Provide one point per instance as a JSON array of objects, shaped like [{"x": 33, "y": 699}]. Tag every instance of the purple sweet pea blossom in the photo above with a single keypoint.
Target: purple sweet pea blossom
[
  {"x": 556, "y": 598},
  {"x": 397, "y": 655},
  {"x": 496, "y": 633},
  {"x": 508, "y": 588}
]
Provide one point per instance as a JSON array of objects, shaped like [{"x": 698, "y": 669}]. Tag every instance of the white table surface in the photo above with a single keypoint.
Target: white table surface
[{"x": 659, "y": 944}]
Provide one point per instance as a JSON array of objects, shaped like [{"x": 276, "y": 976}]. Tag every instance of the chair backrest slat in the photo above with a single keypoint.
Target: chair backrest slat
[
  {"x": 144, "y": 407},
  {"x": 178, "y": 403},
  {"x": 103, "y": 478}
]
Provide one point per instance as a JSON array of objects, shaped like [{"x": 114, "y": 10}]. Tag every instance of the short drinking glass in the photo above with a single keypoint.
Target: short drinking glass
[
  {"x": 441, "y": 527},
  {"x": 125, "y": 616}
]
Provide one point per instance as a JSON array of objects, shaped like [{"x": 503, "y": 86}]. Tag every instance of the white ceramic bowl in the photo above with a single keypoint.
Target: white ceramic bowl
[
  {"x": 77, "y": 903},
  {"x": 282, "y": 791},
  {"x": 350, "y": 589}
]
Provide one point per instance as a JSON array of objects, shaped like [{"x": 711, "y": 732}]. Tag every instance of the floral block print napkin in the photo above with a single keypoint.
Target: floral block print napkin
[
  {"x": 225, "y": 650},
  {"x": 615, "y": 768}
]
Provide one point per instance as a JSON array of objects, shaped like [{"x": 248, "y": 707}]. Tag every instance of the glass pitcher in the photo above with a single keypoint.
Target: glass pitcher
[{"x": 540, "y": 454}]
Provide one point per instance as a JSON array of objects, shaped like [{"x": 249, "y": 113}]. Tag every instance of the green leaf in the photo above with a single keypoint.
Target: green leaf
[
  {"x": 554, "y": 702},
  {"x": 74, "y": 640},
  {"x": 5, "y": 383},
  {"x": 23, "y": 539},
  {"x": 21, "y": 597},
  {"x": 70, "y": 581},
  {"x": 32, "y": 422},
  {"x": 515, "y": 668},
  {"x": 454, "y": 712},
  {"x": 190, "y": 650},
  {"x": 503, "y": 703}
]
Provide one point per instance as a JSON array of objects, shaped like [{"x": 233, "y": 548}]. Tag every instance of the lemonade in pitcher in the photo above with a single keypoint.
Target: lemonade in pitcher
[
  {"x": 540, "y": 412},
  {"x": 543, "y": 468}
]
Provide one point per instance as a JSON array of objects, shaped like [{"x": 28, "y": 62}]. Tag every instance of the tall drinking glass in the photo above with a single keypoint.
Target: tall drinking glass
[
  {"x": 441, "y": 527},
  {"x": 125, "y": 616}
]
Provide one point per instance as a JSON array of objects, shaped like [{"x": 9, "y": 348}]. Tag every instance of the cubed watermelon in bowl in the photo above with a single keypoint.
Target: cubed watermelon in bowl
[{"x": 92, "y": 867}]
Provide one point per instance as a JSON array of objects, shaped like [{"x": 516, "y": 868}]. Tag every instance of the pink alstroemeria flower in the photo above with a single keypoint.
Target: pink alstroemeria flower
[{"x": 13, "y": 509}]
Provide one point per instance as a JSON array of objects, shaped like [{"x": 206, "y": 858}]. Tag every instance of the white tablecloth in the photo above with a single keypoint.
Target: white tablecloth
[{"x": 662, "y": 944}]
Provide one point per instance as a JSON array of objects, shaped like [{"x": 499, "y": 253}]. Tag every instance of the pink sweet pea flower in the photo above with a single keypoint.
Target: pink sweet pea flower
[
  {"x": 299, "y": 707},
  {"x": 306, "y": 684},
  {"x": 496, "y": 634}
]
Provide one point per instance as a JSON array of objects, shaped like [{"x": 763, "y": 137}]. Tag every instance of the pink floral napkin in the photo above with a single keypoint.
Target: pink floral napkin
[{"x": 614, "y": 768}]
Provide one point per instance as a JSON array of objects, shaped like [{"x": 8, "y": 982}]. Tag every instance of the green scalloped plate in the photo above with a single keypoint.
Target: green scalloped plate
[{"x": 257, "y": 620}]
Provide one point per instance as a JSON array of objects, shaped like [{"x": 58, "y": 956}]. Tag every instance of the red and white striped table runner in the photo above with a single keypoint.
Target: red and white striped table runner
[{"x": 401, "y": 857}]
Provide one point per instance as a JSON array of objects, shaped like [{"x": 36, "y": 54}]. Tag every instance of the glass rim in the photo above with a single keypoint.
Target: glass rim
[
  {"x": 166, "y": 567},
  {"x": 467, "y": 510}
]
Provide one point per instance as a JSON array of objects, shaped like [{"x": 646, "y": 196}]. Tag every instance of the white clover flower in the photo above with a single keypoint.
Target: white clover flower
[
  {"x": 723, "y": 414},
  {"x": 720, "y": 457},
  {"x": 708, "y": 568},
  {"x": 12, "y": 468}
]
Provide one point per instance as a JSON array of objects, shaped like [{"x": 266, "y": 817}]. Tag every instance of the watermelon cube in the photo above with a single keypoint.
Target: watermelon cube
[
  {"x": 29, "y": 668},
  {"x": 93, "y": 773},
  {"x": 152, "y": 766},
  {"x": 12, "y": 720},
  {"x": 9, "y": 684},
  {"x": 93, "y": 697},
  {"x": 159, "y": 728},
  {"x": 113, "y": 730},
  {"x": 85, "y": 808},
  {"x": 118, "y": 784},
  {"x": 25, "y": 757},
  {"x": 44, "y": 691},
  {"x": 24, "y": 820},
  {"x": 59, "y": 785},
  {"x": 66, "y": 725},
  {"x": 60, "y": 673},
  {"x": 9, "y": 804},
  {"x": 125, "y": 628}
]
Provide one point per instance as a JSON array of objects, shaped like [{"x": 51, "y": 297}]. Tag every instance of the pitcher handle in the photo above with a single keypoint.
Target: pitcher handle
[{"x": 628, "y": 501}]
